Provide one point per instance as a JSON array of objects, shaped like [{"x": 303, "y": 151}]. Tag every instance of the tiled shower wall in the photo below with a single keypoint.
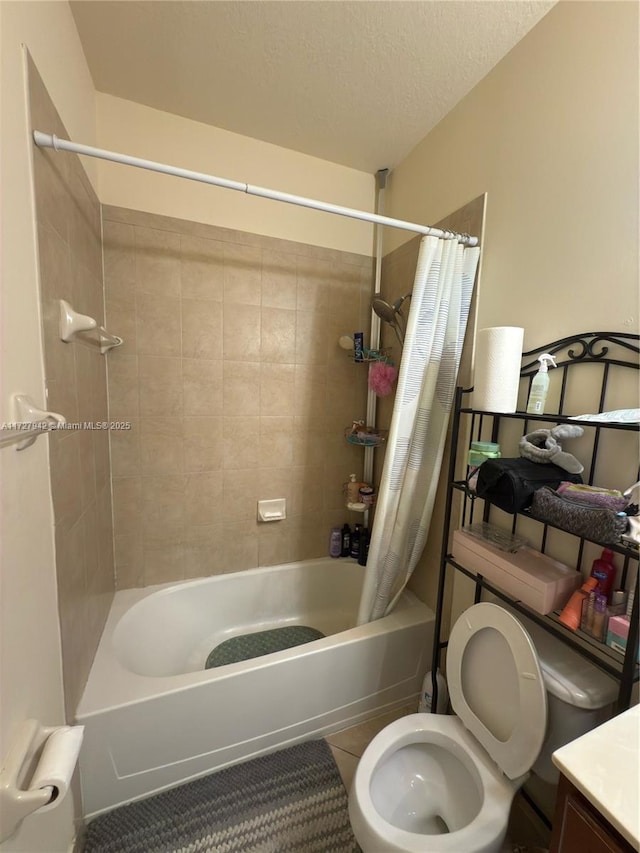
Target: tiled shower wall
[
  {"x": 70, "y": 254},
  {"x": 235, "y": 389}
]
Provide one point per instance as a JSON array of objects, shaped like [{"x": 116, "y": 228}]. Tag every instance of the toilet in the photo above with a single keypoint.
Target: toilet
[{"x": 431, "y": 783}]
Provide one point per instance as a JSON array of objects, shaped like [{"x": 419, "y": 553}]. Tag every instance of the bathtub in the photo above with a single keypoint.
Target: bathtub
[{"x": 154, "y": 717}]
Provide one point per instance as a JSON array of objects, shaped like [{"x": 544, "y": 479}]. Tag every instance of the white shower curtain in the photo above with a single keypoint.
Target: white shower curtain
[{"x": 436, "y": 326}]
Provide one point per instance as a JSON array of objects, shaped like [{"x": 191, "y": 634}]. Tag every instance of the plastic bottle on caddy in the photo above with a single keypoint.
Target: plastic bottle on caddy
[
  {"x": 424, "y": 705},
  {"x": 346, "y": 541},
  {"x": 355, "y": 541},
  {"x": 335, "y": 543}
]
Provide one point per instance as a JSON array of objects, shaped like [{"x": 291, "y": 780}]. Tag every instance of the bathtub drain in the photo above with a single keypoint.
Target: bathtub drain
[{"x": 247, "y": 646}]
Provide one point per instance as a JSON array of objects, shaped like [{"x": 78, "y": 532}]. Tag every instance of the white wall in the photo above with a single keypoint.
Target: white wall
[
  {"x": 155, "y": 135},
  {"x": 551, "y": 134},
  {"x": 31, "y": 676}
]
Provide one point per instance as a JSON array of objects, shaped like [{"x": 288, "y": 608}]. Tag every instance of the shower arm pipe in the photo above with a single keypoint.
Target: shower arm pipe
[{"x": 50, "y": 140}]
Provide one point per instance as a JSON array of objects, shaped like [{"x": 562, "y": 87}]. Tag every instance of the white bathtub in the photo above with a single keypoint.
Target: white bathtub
[{"x": 155, "y": 717}]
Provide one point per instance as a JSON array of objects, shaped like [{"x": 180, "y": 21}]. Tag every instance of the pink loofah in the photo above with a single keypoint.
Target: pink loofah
[{"x": 381, "y": 378}]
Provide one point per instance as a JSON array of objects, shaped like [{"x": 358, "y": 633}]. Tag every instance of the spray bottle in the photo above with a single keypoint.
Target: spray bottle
[{"x": 540, "y": 386}]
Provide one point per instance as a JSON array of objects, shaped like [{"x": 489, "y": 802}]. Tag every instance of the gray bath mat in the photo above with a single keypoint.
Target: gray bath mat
[
  {"x": 292, "y": 801},
  {"x": 247, "y": 646}
]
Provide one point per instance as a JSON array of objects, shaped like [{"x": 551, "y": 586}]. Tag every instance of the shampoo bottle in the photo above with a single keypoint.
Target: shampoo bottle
[
  {"x": 355, "y": 541},
  {"x": 346, "y": 541},
  {"x": 540, "y": 386},
  {"x": 335, "y": 542},
  {"x": 604, "y": 572}
]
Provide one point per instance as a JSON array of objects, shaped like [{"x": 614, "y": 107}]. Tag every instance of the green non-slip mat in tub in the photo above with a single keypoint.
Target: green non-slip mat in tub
[{"x": 247, "y": 646}]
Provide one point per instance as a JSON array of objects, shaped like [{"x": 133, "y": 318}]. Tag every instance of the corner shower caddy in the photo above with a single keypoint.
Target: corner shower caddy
[{"x": 571, "y": 352}]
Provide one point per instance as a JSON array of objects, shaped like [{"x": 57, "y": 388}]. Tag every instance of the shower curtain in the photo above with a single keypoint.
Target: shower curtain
[{"x": 436, "y": 326}]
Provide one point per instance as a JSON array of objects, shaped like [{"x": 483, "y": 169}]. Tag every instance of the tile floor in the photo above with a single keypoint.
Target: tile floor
[{"x": 526, "y": 831}]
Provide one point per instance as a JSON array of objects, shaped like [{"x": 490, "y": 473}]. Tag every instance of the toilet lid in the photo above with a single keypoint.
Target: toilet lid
[{"x": 496, "y": 686}]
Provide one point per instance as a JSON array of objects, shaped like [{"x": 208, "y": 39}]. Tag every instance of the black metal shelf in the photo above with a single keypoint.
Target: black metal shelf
[
  {"x": 598, "y": 653},
  {"x": 554, "y": 419},
  {"x": 613, "y": 351}
]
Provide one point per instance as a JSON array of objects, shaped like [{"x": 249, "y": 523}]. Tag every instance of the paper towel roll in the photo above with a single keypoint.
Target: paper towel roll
[
  {"x": 57, "y": 763},
  {"x": 497, "y": 369}
]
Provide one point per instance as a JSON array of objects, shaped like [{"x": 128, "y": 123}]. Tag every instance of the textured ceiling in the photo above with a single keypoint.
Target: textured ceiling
[{"x": 357, "y": 82}]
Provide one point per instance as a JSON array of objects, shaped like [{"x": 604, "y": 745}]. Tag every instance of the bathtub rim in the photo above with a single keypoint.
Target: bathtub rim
[{"x": 111, "y": 686}]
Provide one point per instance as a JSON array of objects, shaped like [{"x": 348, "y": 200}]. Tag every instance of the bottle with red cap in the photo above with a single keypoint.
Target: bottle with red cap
[{"x": 604, "y": 572}]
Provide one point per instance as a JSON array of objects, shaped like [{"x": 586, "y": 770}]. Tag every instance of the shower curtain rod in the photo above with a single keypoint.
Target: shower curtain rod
[{"x": 50, "y": 140}]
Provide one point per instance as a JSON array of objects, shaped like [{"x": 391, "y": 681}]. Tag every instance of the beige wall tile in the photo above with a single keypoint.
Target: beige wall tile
[
  {"x": 127, "y": 505},
  {"x": 312, "y": 331},
  {"x": 163, "y": 564},
  {"x": 306, "y": 490},
  {"x": 310, "y": 400},
  {"x": 203, "y": 550},
  {"x": 88, "y": 491},
  {"x": 241, "y": 442},
  {"x": 129, "y": 555},
  {"x": 119, "y": 256},
  {"x": 203, "y": 499},
  {"x": 66, "y": 476},
  {"x": 241, "y": 388},
  {"x": 249, "y": 388},
  {"x": 203, "y": 444},
  {"x": 277, "y": 392},
  {"x": 101, "y": 457},
  {"x": 275, "y": 544},
  {"x": 125, "y": 451},
  {"x": 278, "y": 330},
  {"x": 240, "y": 546},
  {"x": 275, "y": 483},
  {"x": 163, "y": 510},
  {"x": 157, "y": 262},
  {"x": 202, "y": 268},
  {"x": 201, "y": 329},
  {"x": 123, "y": 387},
  {"x": 158, "y": 325},
  {"x": 242, "y": 274},
  {"x": 70, "y": 261},
  {"x": 314, "y": 278},
  {"x": 161, "y": 446},
  {"x": 202, "y": 387},
  {"x": 276, "y": 442},
  {"x": 240, "y": 495},
  {"x": 160, "y": 386},
  {"x": 279, "y": 281},
  {"x": 309, "y": 442},
  {"x": 241, "y": 332}
]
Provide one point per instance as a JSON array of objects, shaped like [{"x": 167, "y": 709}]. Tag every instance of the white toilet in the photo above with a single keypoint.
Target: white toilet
[{"x": 444, "y": 784}]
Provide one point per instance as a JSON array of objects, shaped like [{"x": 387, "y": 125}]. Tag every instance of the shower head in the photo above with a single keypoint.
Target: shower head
[
  {"x": 386, "y": 311},
  {"x": 390, "y": 313}
]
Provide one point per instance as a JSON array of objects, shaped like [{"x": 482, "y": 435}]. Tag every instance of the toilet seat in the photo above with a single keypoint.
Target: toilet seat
[{"x": 496, "y": 686}]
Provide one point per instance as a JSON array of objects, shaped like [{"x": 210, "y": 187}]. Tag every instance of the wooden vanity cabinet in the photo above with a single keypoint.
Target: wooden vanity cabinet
[{"x": 579, "y": 828}]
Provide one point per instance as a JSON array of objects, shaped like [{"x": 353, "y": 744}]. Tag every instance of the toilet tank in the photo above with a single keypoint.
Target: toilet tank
[{"x": 580, "y": 696}]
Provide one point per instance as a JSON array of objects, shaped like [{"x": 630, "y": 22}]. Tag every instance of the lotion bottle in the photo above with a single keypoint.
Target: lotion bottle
[
  {"x": 572, "y": 612},
  {"x": 540, "y": 386}
]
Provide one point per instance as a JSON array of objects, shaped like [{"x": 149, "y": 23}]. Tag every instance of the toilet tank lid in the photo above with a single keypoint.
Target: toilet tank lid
[{"x": 567, "y": 675}]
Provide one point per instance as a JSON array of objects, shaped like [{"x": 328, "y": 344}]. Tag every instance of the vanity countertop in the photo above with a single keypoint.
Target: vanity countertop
[{"x": 604, "y": 764}]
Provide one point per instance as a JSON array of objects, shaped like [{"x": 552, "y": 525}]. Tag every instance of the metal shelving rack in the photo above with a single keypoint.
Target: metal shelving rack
[{"x": 614, "y": 351}]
